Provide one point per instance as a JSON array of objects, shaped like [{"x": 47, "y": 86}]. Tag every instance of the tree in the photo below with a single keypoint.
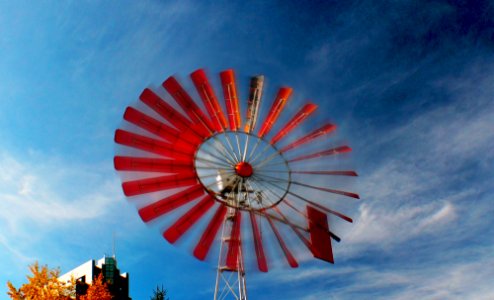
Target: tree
[
  {"x": 159, "y": 294},
  {"x": 98, "y": 290},
  {"x": 43, "y": 284}
]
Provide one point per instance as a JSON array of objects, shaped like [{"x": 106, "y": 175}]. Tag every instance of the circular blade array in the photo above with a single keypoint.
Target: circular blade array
[{"x": 220, "y": 171}]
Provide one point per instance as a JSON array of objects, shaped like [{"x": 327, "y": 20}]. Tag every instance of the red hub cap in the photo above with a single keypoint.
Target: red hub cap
[{"x": 244, "y": 169}]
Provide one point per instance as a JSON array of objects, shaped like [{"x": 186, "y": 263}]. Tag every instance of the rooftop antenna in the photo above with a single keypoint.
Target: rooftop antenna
[{"x": 113, "y": 244}]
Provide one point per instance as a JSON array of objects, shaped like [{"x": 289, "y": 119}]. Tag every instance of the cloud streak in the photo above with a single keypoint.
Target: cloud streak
[
  {"x": 423, "y": 229},
  {"x": 44, "y": 200},
  {"x": 46, "y": 195}
]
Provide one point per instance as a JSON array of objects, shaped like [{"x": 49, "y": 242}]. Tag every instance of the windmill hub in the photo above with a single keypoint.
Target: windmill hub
[
  {"x": 244, "y": 169},
  {"x": 241, "y": 169}
]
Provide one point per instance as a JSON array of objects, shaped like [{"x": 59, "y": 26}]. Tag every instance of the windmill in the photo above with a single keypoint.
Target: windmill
[{"x": 246, "y": 181}]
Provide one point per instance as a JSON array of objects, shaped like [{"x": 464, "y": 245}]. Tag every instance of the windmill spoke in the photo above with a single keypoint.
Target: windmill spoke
[
  {"x": 266, "y": 148},
  {"x": 265, "y": 161},
  {"x": 260, "y": 186},
  {"x": 214, "y": 168},
  {"x": 247, "y": 186},
  {"x": 212, "y": 162},
  {"x": 254, "y": 149},
  {"x": 230, "y": 143},
  {"x": 227, "y": 154},
  {"x": 335, "y": 173},
  {"x": 238, "y": 145},
  {"x": 343, "y": 193},
  {"x": 246, "y": 146},
  {"x": 220, "y": 159},
  {"x": 234, "y": 157},
  {"x": 342, "y": 216}
]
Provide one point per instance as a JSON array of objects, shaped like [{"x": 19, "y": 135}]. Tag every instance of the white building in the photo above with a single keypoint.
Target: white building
[{"x": 118, "y": 284}]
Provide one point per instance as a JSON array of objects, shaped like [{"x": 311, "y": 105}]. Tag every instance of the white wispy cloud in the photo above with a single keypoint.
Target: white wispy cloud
[
  {"x": 459, "y": 280},
  {"x": 420, "y": 185},
  {"x": 420, "y": 192},
  {"x": 383, "y": 226},
  {"x": 46, "y": 194},
  {"x": 49, "y": 205},
  {"x": 44, "y": 199}
]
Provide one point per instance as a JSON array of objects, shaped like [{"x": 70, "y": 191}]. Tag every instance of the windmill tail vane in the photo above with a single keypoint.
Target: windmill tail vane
[{"x": 212, "y": 173}]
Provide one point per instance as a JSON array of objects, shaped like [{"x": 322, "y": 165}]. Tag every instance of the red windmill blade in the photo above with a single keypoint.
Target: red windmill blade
[{"x": 220, "y": 174}]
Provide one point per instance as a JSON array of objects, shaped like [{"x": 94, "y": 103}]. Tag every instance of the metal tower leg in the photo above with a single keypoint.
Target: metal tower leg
[{"x": 230, "y": 283}]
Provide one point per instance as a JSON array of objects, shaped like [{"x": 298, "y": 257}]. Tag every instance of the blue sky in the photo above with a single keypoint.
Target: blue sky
[{"x": 409, "y": 83}]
